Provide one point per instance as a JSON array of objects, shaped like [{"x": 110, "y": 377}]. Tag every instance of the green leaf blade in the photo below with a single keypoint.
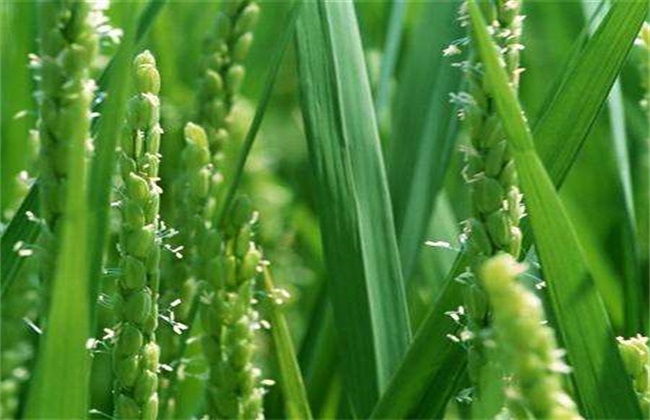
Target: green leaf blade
[
  {"x": 424, "y": 129},
  {"x": 590, "y": 77},
  {"x": 360, "y": 247},
  {"x": 433, "y": 361}
]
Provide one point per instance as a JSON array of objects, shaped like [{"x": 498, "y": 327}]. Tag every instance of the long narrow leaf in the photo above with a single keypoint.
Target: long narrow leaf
[
  {"x": 389, "y": 56},
  {"x": 433, "y": 361},
  {"x": 356, "y": 222},
  {"x": 631, "y": 274},
  {"x": 63, "y": 357},
  {"x": 577, "y": 306},
  {"x": 582, "y": 89},
  {"x": 590, "y": 77},
  {"x": 424, "y": 128}
]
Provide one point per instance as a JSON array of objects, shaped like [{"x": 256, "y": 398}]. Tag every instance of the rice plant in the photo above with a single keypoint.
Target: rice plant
[{"x": 324, "y": 209}]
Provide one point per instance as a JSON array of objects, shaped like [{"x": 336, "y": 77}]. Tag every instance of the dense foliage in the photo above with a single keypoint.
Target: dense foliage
[{"x": 324, "y": 209}]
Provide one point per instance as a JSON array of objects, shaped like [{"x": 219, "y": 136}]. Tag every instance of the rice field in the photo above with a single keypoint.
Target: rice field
[{"x": 248, "y": 209}]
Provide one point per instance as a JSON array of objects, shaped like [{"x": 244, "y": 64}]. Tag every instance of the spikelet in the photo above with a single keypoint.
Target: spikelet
[
  {"x": 527, "y": 348},
  {"x": 68, "y": 45},
  {"x": 136, "y": 354},
  {"x": 223, "y": 70},
  {"x": 636, "y": 358},
  {"x": 229, "y": 318},
  {"x": 221, "y": 74},
  {"x": 227, "y": 313},
  {"x": 226, "y": 306}
]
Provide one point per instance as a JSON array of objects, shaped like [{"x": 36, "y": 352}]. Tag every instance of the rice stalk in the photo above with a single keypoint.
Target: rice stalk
[
  {"x": 492, "y": 180},
  {"x": 136, "y": 353},
  {"x": 68, "y": 47}
]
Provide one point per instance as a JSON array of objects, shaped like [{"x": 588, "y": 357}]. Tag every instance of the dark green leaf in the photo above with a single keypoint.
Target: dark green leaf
[{"x": 365, "y": 279}]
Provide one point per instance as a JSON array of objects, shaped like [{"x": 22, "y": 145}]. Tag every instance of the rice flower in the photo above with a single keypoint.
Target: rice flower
[{"x": 223, "y": 69}]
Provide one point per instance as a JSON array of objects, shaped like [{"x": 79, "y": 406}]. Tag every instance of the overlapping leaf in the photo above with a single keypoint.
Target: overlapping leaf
[{"x": 365, "y": 279}]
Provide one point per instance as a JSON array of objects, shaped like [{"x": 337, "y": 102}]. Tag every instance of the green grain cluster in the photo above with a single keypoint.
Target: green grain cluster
[
  {"x": 199, "y": 189},
  {"x": 526, "y": 346},
  {"x": 135, "y": 355},
  {"x": 223, "y": 70},
  {"x": 229, "y": 319},
  {"x": 491, "y": 177},
  {"x": 636, "y": 357},
  {"x": 224, "y": 255},
  {"x": 68, "y": 47}
]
